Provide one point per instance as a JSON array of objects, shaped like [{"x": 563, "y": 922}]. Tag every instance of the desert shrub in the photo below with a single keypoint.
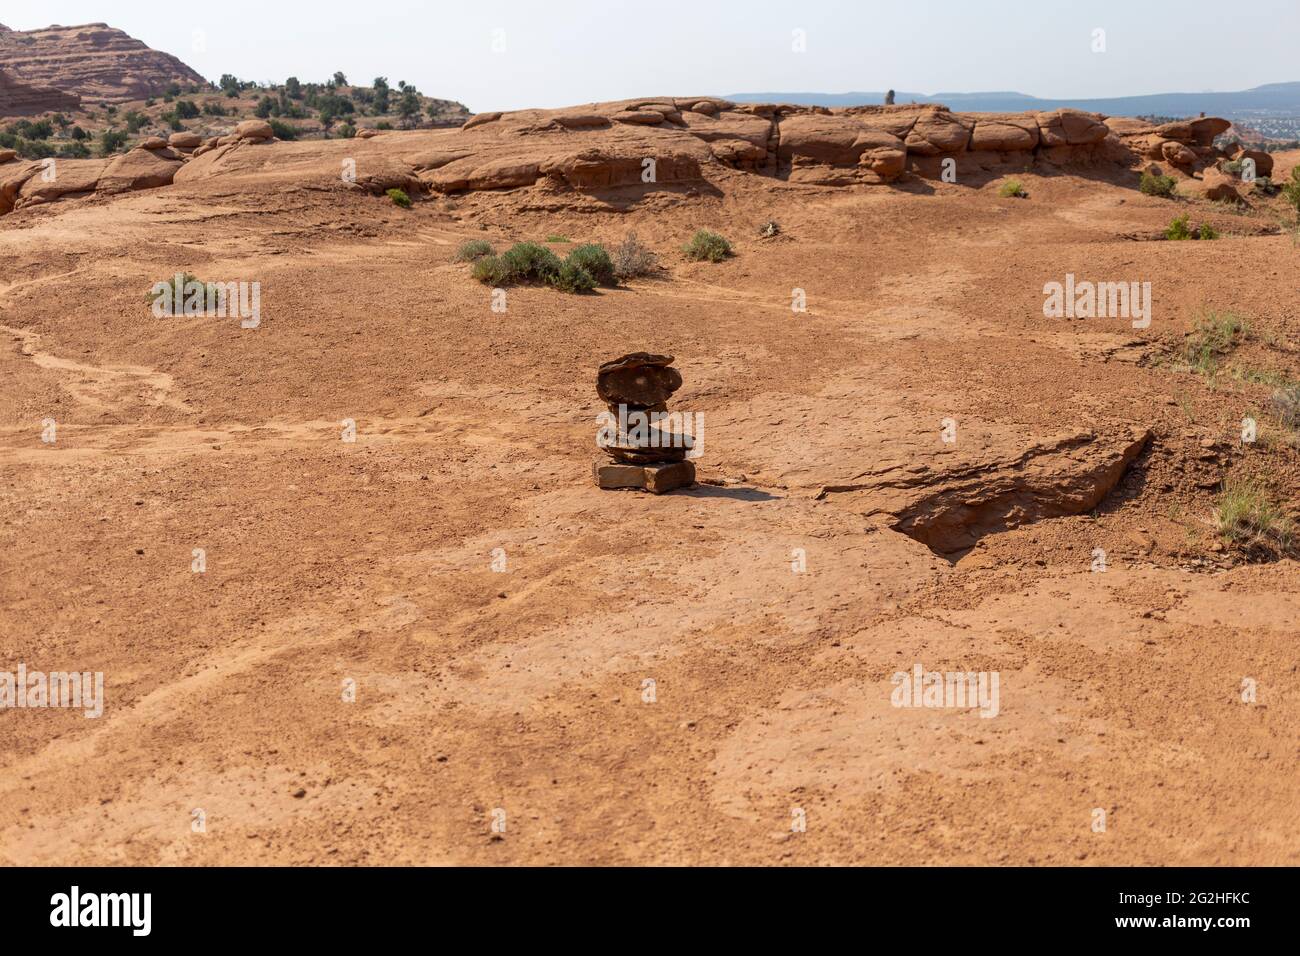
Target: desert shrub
[
  {"x": 573, "y": 277},
  {"x": 1012, "y": 188},
  {"x": 707, "y": 245},
  {"x": 1156, "y": 185},
  {"x": 1214, "y": 336},
  {"x": 632, "y": 259},
  {"x": 531, "y": 262},
  {"x": 492, "y": 270},
  {"x": 769, "y": 229},
  {"x": 111, "y": 141},
  {"x": 283, "y": 130},
  {"x": 383, "y": 124},
  {"x": 558, "y": 239},
  {"x": 177, "y": 283},
  {"x": 473, "y": 250},
  {"x": 1233, "y": 167},
  {"x": 1291, "y": 191},
  {"x": 1178, "y": 230},
  {"x": 1265, "y": 186},
  {"x": 399, "y": 198},
  {"x": 596, "y": 261},
  {"x": 1248, "y": 517},
  {"x": 347, "y": 131},
  {"x": 74, "y": 150},
  {"x": 1207, "y": 232}
]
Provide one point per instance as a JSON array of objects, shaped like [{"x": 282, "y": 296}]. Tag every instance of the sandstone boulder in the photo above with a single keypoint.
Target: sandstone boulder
[
  {"x": 1219, "y": 186},
  {"x": 640, "y": 117},
  {"x": 1005, "y": 134},
  {"x": 938, "y": 131},
  {"x": 1177, "y": 153},
  {"x": 581, "y": 120},
  {"x": 255, "y": 129},
  {"x": 71, "y": 177},
  {"x": 8, "y": 155},
  {"x": 153, "y": 142},
  {"x": 1263, "y": 161},
  {"x": 1066, "y": 127},
  {"x": 366, "y": 132},
  {"x": 140, "y": 169},
  {"x": 185, "y": 140}
]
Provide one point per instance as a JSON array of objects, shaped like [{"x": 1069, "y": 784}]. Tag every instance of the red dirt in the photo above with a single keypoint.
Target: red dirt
[{"x": 523, "y": 690}]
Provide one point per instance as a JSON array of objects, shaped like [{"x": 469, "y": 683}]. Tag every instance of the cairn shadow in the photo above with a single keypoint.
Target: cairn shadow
[{"x": 734, "y": 493}]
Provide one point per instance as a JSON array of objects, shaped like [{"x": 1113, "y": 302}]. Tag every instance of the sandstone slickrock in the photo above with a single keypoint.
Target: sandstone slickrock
[
  {"x": 140, "y": 169},
  {"x": 950, "y": 511},
  {"x": 601, "y": 148},
  {"x": 93, "y": 62}
]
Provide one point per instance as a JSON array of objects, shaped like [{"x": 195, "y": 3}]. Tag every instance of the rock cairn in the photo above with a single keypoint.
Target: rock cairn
[{"x": 636, "y": 388}]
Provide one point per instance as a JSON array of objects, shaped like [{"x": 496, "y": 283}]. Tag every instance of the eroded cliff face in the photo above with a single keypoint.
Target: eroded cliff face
[
  {"x": 648, "y": 144},
  {"x": 24, "y": 99},
  {"x": 607, "y": 144},
  {"x": 93, "y": 61}
]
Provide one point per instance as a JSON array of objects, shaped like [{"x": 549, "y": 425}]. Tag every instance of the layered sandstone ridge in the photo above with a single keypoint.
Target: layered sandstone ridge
[
  {"x": 646, "y": 145},
  {"x": 24, "y": 99},
  {"x": 93, "y": 61},
  {"x": 606, "y": 144}
]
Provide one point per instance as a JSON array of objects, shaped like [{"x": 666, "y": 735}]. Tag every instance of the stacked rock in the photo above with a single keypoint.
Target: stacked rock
[{"x": 636, "y": 388}]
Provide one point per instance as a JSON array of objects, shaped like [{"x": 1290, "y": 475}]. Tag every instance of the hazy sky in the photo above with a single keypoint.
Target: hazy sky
[{"x": 563, "y": 52}]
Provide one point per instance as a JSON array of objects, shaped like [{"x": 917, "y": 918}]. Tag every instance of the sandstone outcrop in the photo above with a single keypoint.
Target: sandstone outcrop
[
  {"x": 685, "y": 143},
  {"x": 599, "y": 145},
  {"x": 93, "y": 61},
  {"x": 18, "y": 98},
  {"x": 1263, "y": 161}
]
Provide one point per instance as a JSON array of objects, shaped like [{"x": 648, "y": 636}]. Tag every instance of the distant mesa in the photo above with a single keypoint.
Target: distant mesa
[{"x": 94, "y": 62}]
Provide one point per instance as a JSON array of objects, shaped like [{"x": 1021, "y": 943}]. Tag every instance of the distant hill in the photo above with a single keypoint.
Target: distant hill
[
  {"x": 1275, "y": 99},
  {"x": 93, "y": 61}
]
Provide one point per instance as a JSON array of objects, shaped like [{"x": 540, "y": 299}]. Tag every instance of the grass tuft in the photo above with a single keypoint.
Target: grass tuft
[{"x": 1250, "y": 519}]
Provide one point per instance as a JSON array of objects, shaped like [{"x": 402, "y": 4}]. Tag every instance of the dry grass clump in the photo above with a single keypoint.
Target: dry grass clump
[{"x": 1251, "y": 520}]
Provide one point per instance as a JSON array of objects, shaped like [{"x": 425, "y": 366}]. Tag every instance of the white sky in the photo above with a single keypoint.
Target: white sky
[{"x": 563, "y": 52}]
